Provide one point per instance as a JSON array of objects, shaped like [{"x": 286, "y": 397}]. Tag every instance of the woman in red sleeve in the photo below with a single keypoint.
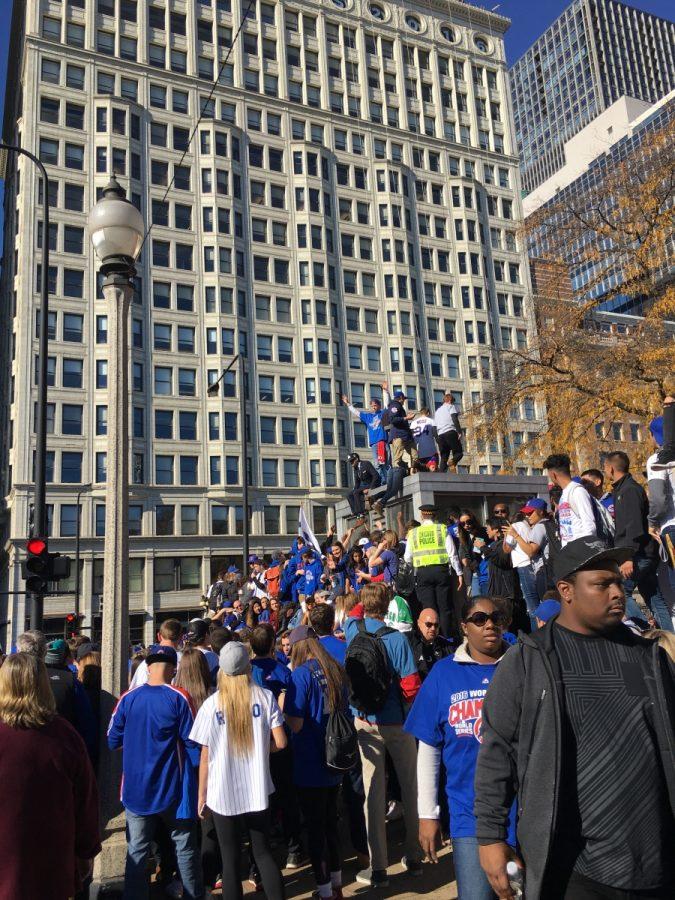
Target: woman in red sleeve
[{"x": 49, "y": 828}]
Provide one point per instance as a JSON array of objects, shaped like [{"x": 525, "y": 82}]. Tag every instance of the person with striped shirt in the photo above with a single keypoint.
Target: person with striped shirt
[
  {"x": 236, "y": 727},
  {"x": 151, "y": 724}
]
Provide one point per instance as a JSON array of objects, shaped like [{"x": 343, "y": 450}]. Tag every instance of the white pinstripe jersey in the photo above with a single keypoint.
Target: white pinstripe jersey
[{"x": 238, "y": 784}]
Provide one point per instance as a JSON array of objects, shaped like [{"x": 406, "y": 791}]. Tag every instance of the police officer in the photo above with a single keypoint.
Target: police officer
[
  {"x": 366, "y": 478},
  {"x": 431, "y": 551}
]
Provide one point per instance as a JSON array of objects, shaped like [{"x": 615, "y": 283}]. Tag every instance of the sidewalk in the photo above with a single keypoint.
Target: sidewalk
[{"x": 437, "y": 882}]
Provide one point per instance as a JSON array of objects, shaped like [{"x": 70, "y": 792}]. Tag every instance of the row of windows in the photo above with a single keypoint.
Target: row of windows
[
  {"x": 170, "y": 519},
  {"x": 311, "y": 95},
  {"x": 269, "y": 348},
  {"x": 128, "y": 88},
  {"x": 277, "y": 271},
  {"x": 419, "y": 158},
  {"x": 179, "y": 215}
]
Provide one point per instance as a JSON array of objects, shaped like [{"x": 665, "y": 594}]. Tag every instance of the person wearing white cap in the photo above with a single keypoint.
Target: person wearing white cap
[{"x": 235, "y": 728}]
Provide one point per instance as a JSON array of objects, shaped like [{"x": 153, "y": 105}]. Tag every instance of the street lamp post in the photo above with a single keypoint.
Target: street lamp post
[
  {"x": 212, "y": 391},
  {"x": 116, "y": 229},
  {"x": 78, "y": 534},
  {"x": 40, "y": 502}
]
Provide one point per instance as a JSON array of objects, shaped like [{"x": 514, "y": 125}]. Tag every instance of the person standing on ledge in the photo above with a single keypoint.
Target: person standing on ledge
[
  {"x": 448, "y": 434},
  {"x": 377, "y": 435}
]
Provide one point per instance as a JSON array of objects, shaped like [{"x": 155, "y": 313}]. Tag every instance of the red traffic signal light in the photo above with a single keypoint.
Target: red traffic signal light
[
  {"x": 72, "y": 625},
  {"x": 36, "y": 567},
  {"x": 36, "y": 546}
]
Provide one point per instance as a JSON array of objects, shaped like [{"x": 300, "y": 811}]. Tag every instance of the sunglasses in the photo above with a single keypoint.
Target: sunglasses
[
  {"x": 465, "y": 521},
  {"x": 431, "y": 624},
  {"x": 480, "y": 619}
]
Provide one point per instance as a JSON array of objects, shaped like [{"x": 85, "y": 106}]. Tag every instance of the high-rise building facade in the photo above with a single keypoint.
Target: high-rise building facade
[
  {"x": 595, "y": 52},
  {"x": 342, "y": 208}
]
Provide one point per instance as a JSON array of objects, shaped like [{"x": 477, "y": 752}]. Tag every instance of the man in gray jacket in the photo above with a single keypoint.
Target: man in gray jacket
[{"x": 579, "y": 723}]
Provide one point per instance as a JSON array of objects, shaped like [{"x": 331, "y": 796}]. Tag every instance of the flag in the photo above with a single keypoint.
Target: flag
[{"x": 306, "y": 533}]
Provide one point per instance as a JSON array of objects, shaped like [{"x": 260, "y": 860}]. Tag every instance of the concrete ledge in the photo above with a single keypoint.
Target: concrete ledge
[{"x": 444, "y": 489}]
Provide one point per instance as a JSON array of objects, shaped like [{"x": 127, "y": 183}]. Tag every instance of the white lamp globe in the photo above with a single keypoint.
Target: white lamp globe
[{"x": 115, "y": 225}]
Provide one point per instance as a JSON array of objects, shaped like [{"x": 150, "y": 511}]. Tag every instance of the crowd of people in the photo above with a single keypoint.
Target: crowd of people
[{"x": 495, "y": 684}]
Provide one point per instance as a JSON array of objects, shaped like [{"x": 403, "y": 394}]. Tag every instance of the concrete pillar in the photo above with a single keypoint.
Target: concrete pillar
[{"x": 117, "y": 291}]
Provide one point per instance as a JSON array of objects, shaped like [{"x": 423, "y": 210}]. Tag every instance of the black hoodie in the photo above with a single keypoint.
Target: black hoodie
[{"x": 521, "y": 751}]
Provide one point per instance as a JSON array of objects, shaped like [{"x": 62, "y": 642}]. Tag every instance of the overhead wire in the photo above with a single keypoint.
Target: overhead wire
[{"x": 204, "y": 107}]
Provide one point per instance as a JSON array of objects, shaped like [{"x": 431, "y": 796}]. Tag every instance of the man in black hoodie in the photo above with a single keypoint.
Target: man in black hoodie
[
  {"x": 579, "y": 724},
  {"x": 631, "y": 510}
]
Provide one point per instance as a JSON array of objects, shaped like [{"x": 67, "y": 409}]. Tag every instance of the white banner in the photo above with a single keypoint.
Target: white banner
[{"x": 306, "y": 533}]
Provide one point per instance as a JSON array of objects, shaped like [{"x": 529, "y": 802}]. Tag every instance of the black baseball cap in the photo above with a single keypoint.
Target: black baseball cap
[
  {"x": 587, "y": 553},
  {"x": 198, "y": 630},
  {"x": 160, "y": 653}
]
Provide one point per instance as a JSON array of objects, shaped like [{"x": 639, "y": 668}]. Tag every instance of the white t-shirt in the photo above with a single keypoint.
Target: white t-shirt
[
  {"x": 533, "y": 535},
  {"x": 575, "y": 514},
  {"x": 238, "y": 784},
  {"x": 667, "y": 476},
  {"x": 443, "y": 418}
]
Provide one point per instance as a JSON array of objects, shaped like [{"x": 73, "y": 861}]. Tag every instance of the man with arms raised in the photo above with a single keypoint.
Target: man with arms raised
[{"x": 579, "y": 722}]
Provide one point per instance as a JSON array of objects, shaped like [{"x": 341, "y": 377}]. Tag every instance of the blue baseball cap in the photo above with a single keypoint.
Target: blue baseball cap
[
  {"x": 534, "y": 503},
  {"x": 253, "y": 559},
  {"x": 161, "y": 654},
  {"x": 546, "y": 610},
  {"x": 656, "y": 428},
  {"x": 232, "y": 569},
  {"x": 399, "y": 395}
]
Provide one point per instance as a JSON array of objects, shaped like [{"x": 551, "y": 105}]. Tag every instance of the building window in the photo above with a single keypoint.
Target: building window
[
  {"x": 164, "y": 469},
  {"x": 189, "y": 519},
  {"x": 71, "y": 467}
]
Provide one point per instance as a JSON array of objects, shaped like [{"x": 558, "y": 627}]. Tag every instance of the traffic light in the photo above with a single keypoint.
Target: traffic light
[
  {"x": 72, "y": 624},
  {"x": 41, "y": 566},
  {"x": 59, "y": 567},
  {"x": 36, "y": 567}
]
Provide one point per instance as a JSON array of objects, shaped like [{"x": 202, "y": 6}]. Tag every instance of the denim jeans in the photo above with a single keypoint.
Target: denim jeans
[
  {"x": 472, "y": 883},
  {"x": 382, "y": 468},
  {"x": 140, "y": 832},
  {"x": 528, "y": 585},
  {"x": 645, "y": 579},
  {"x": 475, "y": 585},
  {"x": 395, "y": 477}
]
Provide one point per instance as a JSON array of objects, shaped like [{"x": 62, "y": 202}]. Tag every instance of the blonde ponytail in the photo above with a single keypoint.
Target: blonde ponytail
[{"x": 234, "y": 702}]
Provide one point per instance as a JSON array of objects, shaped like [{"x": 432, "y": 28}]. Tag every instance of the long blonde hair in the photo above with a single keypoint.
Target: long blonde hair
[
  {"x": 312, "y": 648},
  {"x": 234, "y": 701},
  {"x": 193, "y": 675},
  {"x": 26, "y": 698}
]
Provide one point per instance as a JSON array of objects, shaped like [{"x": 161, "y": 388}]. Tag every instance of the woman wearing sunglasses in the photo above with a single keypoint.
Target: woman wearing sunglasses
[{"x": 446, "y": 719}]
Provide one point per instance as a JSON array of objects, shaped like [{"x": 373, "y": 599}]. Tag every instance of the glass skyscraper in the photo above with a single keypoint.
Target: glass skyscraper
[{"x": 595, "y": 52}]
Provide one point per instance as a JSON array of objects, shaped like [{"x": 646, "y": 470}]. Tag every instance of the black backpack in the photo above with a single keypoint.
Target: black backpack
[
  {"x": 342, "y": 749},
  {"x": 367, "y": 666},
  {"x": 405, "y": 579}
]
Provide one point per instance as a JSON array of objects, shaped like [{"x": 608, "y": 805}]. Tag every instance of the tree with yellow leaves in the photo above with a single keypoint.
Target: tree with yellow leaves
[{"x": 609, "y": 244}]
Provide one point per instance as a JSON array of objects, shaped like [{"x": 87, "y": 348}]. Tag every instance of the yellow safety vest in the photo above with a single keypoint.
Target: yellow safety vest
[{"x": 428, "y": 545}]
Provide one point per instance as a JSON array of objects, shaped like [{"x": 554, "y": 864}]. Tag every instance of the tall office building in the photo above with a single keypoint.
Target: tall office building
[
  {"x": 595, "y": 52},
  {"x": 345, "y": 214}
]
